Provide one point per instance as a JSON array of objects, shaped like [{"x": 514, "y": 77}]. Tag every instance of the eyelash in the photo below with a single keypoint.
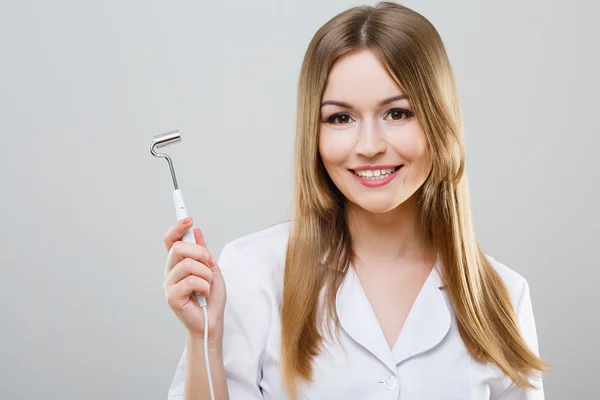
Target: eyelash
[{"x": 407, "y": 113}]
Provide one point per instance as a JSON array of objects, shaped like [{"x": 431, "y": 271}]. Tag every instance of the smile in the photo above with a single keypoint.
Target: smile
[{"x": 373, "y": 177}]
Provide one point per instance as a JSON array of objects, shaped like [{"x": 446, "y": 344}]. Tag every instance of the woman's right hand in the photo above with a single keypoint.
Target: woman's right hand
[{"x": 190, "y": 268}]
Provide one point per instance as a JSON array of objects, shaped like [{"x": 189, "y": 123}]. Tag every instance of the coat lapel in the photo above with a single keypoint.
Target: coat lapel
[
  {"x": 359, "y": 321},
  {"x": 427, "y": 323}
]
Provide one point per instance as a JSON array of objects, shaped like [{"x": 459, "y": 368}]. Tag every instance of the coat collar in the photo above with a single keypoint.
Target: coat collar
[{"x": 426, "y": 325}]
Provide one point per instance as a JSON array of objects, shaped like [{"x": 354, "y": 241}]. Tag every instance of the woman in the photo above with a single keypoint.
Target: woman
[{"x": 377, "y": 288}]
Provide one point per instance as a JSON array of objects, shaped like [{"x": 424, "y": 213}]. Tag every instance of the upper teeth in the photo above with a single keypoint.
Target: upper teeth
[{"x": 367, "y": 173}]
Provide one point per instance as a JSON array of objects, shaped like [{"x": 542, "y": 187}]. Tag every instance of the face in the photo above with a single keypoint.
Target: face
[{"x": 372, "y": 146}]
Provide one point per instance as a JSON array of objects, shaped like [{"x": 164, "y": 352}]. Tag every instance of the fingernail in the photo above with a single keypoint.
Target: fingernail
[
  {"x": 213, "y": 262},
  {"x": 185, "y": 220}
]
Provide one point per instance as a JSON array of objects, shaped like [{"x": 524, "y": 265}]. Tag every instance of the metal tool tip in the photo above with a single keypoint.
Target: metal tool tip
[{"x": 166, "y": 139}]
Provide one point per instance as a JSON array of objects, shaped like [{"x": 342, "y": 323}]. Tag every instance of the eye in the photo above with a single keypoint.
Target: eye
[
  {"x": 339, "y": 118},
  {"x": 399, "y": 114}
]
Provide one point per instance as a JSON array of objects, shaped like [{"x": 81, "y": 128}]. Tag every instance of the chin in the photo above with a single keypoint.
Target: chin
[{"x": 380, "y": 206}]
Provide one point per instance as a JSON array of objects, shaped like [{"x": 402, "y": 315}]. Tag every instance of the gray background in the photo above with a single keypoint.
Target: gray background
[{"x": 85, "y": 86}]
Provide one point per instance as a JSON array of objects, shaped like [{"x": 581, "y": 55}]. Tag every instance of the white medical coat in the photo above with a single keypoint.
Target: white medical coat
[{"x": 428, "y": 361}]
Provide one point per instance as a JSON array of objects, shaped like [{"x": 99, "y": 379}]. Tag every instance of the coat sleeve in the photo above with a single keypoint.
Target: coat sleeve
[
  {"x": 528, "y": 330},
  {"x": 246, "y": 325}
]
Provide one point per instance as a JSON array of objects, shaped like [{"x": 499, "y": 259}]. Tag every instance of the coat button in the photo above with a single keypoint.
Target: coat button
[{"x": 390, "y": 382}]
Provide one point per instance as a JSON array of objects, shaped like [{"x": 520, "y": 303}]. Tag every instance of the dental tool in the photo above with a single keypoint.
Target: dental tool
[{"x": 163, "y": 140}]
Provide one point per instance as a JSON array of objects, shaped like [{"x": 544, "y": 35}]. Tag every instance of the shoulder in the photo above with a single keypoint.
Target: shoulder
[
  {"x": 256, "y": 261},
  {"x": 515, "y": 283},
  {"x": 518, "y": 289},
  {"x": 269, "y": 242},
  {"x": 252, "y": 268}
]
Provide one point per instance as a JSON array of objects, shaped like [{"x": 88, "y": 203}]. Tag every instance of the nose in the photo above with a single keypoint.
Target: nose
[{"x": 370, "y": 140}]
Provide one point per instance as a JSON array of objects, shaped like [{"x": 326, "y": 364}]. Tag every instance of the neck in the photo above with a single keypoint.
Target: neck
[{"x": 390, "y": 238}]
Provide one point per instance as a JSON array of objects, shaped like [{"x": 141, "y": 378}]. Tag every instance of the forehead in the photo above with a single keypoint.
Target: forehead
[{"x": 359, "y": 78}]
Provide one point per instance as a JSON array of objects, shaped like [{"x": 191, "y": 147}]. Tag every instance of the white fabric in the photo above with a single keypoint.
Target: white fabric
[{"x": 428, "y": 362}]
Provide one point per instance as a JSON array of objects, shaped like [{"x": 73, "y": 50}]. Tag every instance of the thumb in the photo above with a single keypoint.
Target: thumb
[
  {"x": 199, "y": 237},
  {"x": 218, "y": 283},
  {"x": 200, "y": 240}
]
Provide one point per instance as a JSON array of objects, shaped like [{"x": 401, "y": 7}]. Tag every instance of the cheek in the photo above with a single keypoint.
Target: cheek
[
  {"x": 412, "y": 146},
  {"x": 334, "y": 148}
]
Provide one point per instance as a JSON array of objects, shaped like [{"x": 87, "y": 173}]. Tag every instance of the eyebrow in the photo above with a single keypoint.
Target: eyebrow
[{"x": 349, "y": 106}]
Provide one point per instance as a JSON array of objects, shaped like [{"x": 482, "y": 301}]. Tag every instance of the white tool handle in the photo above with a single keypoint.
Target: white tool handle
[{"x": 188, "y": 237}]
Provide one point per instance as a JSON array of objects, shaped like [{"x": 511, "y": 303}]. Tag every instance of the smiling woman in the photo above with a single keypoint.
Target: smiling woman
[{"x": 377, "y": 288}]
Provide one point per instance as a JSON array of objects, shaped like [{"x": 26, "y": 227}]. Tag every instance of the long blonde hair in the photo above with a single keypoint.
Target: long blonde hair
[{"x": 410, "y": 48}]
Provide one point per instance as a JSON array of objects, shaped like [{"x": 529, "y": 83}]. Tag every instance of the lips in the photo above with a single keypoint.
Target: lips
[{"x": 376, "y": 176}]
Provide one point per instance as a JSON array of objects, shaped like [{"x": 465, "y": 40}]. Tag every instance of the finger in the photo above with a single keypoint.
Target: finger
[
  {"x": 186, "y": 287},
  {"x": 176, "y": 232},
  {"x": 181, "y": 250},
  {"x": 186, "y": 268},
  {"x": 199, "y": 237}
]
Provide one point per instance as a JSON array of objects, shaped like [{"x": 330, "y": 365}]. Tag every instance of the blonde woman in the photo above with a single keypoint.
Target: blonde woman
[{"x": 377, "y": 287}]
